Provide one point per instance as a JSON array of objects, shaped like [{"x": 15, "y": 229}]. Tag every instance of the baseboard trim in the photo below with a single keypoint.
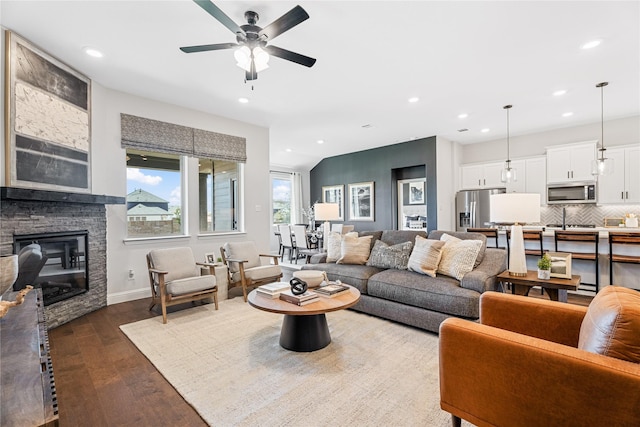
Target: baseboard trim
[{"x": 126, "y": 296}]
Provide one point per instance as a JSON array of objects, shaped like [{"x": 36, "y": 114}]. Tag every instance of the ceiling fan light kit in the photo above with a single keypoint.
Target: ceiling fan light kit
[{"x": 252, "y": 52}]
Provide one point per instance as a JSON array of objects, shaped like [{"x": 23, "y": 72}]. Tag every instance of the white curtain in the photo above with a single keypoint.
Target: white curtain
[{"x": 297, "y": 202}]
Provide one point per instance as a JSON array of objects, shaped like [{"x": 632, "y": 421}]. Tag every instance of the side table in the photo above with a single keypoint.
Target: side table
[{"x": 556, "y": 288}]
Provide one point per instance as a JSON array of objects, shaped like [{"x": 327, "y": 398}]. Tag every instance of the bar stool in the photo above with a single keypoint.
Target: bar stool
[
  {"x": 491, "y": 233},
  {"x": 583, "y": 237},
  {"x": 622, "y": 238}
]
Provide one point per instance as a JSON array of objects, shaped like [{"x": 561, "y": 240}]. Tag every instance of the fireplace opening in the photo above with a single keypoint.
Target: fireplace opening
[{"x": 55, "y": 262}]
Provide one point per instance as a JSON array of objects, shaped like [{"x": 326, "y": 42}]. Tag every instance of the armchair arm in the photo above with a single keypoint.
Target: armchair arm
[
  {"x": 154, "y": 270},
  {"x": 489, "y": 376},
  {"x": 548, "y": 320},
  {"x": 212, "y": 266},
  {"x": 272, "y": 256},
  {"x": 238, "y": 260}
]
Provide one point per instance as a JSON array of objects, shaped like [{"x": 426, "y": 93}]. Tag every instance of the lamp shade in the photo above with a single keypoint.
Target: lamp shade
[
  {"x": 511, "y": 208},
  {"x": 326, "y": 211}
]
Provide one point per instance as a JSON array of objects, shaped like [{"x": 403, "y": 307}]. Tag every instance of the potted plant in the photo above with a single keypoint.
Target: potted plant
[{"x": 544, "y": 267}]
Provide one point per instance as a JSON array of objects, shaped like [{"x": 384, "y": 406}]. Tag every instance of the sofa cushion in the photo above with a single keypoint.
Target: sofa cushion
[
  {"x": 437, "y": 234},
  {"x": 612, "y": 324},
  {"x": 426, "y": 256},
  {"x": 442, "y": 294},
  {"x": 458, "y": 256},
  {"x": 354, "y": 249},
  {"x": 385, "y": 256},
  {"x": 334, "y": 245},
  {"x": 375, "y": 236},
  {"x": 354, "y": 275},
  {"x": 393, "y": 237}
]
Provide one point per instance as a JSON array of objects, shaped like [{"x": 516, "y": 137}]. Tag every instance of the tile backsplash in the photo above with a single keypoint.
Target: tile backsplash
[{"x": 585, "y": 214}]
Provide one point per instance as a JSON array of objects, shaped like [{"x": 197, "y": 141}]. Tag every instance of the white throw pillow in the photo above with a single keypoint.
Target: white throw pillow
[
  {"x": 426, "y": 256},
  {"x": 458, "y": 256},
  {"x": 334, "y": 245},
  {"x": 355, "y": 250}
]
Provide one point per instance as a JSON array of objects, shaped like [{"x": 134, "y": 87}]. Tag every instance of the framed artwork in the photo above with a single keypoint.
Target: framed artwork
[
  {"x": 361, "y": 201},
  {"x": 560, "y": 265},
  {"x": 48, "y": 126},
  {"x": 334, "y": 194},
  {"x": 210, "y": 258},
  {"x": 416, "y": 193}
]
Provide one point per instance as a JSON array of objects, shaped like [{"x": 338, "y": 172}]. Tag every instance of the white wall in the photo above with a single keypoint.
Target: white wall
[
  {"x": 109, "y": 177},
  {"x": 447, "y": 154},
  {"x": 616, "y": 132}
]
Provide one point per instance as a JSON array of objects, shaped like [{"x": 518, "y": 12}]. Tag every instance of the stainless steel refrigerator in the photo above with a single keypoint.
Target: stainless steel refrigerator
[{"x": 472, "y": 208}]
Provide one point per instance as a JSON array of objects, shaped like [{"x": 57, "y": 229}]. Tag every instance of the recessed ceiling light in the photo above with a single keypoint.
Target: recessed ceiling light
[
  {"x": 559, "y": 92},
  {"x": 567, "y": 114},
  {"x": 93, "y": 52},
  {"x": 243, "y": 100},
  {"x": 414, "y": 99},
  {"x": 485, "y": 130},
  {"x": 288, "y": 150},
  {"x": 320, "y": 141},
  {"x": 463, "y": 116},
  {"x": 591, "y": 44}
]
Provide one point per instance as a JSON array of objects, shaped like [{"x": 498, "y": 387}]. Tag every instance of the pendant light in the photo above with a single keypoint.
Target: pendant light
[
  {"x": 508, "y": 174},
  {"x": 602, "y": 165}
]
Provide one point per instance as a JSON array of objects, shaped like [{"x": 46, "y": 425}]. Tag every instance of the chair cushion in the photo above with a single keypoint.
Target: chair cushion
[
  {"x": 258, "y": 273},
  {"x": 242, "y": 250},
  {"x": 426, "y": 256},
  {"x": 458, "y": 256},
  {"x": 354, "y": 249},
  {"x": 179, "y": 262},
  {"x": 612, "y": 324},
  {"x": 192, "y": 284},
  {"x": 386, "y": 256}
]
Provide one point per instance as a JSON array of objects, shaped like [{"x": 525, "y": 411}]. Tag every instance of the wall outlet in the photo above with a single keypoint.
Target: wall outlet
[{"x": 131, "y": 274}]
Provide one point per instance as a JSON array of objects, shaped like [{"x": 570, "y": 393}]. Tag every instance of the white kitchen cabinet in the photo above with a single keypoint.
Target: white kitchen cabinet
[
  {"x": 535, "y": 177},
  {"x": 570, "y": 163},
  {"x": 623, "y": 185},
  {"x": 481, "y": 176}
]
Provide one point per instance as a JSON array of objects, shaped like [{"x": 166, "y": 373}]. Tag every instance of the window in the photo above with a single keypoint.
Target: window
[
  {"x": 281, "y": 198},
  {"x": 219, "y": 200},
  {"x": 154, "y": 202}
]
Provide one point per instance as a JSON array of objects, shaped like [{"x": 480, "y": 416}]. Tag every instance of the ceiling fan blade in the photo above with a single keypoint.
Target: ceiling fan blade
[
  {"x": 284, "y": 23},
  {"x": 217, "y": 13},
  {"x": 290, "y": 56},
  {"x": 208, "y": 47}
]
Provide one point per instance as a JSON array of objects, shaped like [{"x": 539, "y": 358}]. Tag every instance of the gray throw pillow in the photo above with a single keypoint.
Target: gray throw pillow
[{"x": 385, "y": 256}]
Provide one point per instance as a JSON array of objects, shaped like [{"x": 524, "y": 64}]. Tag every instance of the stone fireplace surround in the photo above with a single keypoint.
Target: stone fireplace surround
[{"x": 25, "y": 211}]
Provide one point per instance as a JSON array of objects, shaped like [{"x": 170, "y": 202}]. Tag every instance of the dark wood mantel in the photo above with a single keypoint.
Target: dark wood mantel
[{"x": 15, "y": 193}]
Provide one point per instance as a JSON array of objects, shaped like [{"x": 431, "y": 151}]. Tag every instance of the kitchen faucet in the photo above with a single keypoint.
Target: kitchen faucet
[{"x": 564, "y": 218}]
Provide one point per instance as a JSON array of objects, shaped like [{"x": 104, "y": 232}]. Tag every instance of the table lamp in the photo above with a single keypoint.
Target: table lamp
[
  {"x": 516, "y": 209},
  {"x": 326, "y": 212}
]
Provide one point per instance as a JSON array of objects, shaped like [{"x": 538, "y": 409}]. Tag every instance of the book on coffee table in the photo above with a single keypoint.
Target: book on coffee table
[
  {"x": 331, "y": 290},
  {"x": 273, "y": 290},
  {"x": 306, "y": 298}
]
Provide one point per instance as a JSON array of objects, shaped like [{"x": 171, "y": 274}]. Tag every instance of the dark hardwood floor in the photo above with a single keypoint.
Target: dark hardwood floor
[{"x": 103, "y": 380}]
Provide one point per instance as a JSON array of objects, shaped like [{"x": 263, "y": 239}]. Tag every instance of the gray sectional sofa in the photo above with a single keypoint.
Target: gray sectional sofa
[{"x": 412, "y": 298}]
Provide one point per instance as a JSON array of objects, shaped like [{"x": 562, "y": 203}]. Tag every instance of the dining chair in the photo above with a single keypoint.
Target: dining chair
[{"x": 287, "y": 241}]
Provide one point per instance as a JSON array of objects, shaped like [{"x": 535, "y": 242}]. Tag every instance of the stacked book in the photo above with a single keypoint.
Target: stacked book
[
  {"x": 332, "y": 290},
  {"x": 272, "y": 290},
  {"x": 303, "y": 299}
]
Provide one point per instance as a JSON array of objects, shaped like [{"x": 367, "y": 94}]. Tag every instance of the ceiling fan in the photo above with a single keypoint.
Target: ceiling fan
[{"x": 252, "y": 52}]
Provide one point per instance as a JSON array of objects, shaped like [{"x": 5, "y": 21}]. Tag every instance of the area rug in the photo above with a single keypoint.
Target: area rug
[{"x": 229, "y": 366}]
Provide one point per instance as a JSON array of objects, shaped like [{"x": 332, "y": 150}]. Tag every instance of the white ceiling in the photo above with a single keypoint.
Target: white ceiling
[{"x": 457, "y": 57}]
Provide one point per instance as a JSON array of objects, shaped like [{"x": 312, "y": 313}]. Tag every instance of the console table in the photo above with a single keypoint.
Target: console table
[{"x": 28, "y": 396}]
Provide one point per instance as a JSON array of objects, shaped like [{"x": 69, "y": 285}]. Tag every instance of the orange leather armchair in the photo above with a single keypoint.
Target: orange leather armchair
[{"x": 520, "y": 366}]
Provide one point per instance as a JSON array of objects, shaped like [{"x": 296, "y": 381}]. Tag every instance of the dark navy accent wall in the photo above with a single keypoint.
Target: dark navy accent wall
[{"x": 383, "y": 165}]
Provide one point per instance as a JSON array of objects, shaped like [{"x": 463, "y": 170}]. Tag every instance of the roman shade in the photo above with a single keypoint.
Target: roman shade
[{"x": 153, "y": 135}]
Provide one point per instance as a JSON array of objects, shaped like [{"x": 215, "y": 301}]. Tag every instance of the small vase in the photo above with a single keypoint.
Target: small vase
[{"x": 544, "y": 274}]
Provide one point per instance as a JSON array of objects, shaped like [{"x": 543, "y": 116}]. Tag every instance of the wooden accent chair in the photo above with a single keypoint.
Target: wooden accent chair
[
  {"x": 491, "y": 233},
  {"x": 588, "y": 239},
  {"x": 174, "y": 276},
  {"x": 622, "y": 238},
  {"x": 581, "y": 361},
  {"x": 245, "y": 268}
]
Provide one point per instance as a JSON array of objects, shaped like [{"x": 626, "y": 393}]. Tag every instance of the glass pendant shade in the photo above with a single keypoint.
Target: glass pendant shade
[
  {"x": 243, "y": 58},
  {"x": 602, "y": 167},
  {"x": 259, "y": 56},
  {"x": 508, "y": 174}
]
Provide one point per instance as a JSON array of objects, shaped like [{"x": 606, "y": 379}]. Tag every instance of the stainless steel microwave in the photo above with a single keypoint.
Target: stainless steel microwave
[{"x": 570, "y": 193}]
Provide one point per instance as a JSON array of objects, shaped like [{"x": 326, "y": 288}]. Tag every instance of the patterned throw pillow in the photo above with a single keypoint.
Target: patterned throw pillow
[
  {"x": 385, "y": 256},
  {"x": 458, "y": 256},
  {"x": 426, "y": 256},
  {"x": 355, "y": 250},
  {"x": 334, "y": 245}
]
